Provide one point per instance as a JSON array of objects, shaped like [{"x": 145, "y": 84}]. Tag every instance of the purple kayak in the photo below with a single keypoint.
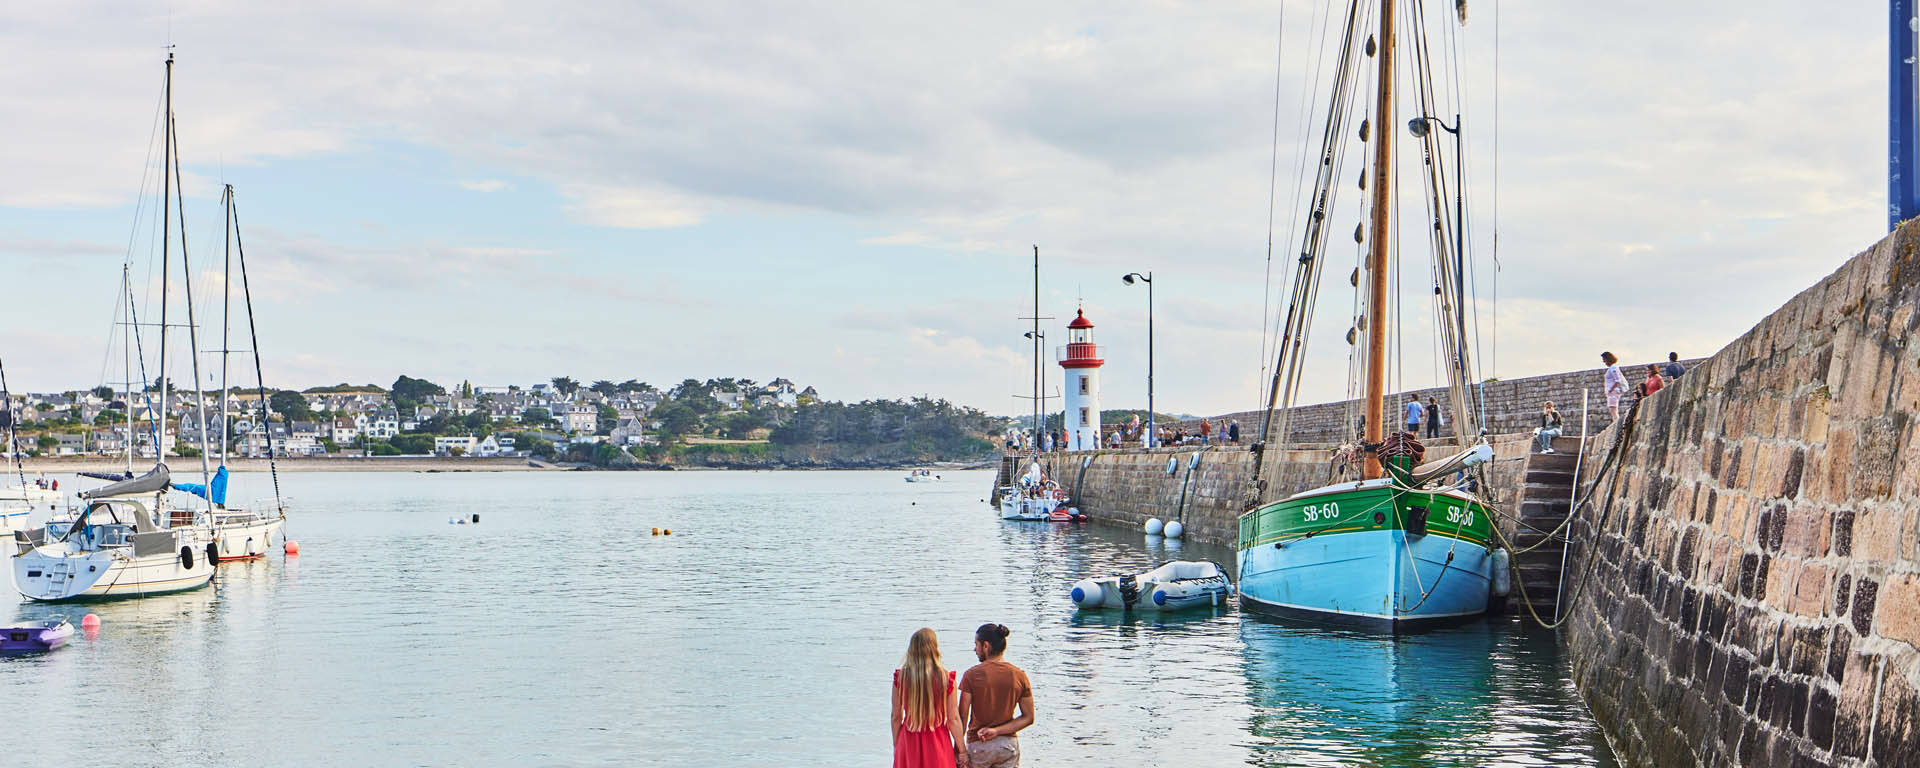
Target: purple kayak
[{"x": 35, "y": 636}]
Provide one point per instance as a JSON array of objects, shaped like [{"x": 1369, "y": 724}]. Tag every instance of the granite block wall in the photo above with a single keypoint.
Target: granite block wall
[
  {"x": 1748, "y": 580},
  {"x": 1512, "y": 405}
]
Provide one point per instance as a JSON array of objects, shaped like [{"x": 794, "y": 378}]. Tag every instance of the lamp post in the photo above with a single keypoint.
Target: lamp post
[
  {"x": 1153, "y": 438},
  {"x": 1420, "y": 127},
  {"x": 1040, "y": 398}
]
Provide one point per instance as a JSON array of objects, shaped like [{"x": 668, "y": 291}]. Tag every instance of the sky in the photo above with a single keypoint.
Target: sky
[{"x": 848, "y": 194}]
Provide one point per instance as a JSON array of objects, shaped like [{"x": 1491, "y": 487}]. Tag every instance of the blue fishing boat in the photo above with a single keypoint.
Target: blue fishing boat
[
  {"x": 1389, "y": 542},
  {"x": 1368, "y": 552}
]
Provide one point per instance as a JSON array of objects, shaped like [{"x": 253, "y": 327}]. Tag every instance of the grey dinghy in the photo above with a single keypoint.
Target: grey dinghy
[{"x": 1175, "y": 585}]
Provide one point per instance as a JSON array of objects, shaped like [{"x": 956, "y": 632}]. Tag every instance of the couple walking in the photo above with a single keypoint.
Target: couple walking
[{"x": 937, "y": 723}]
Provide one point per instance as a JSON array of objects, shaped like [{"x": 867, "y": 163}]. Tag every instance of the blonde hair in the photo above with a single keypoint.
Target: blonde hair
[{"x": 923, "y": 683}]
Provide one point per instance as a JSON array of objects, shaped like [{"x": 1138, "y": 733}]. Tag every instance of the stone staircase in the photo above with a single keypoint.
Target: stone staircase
[
  {"x": 1009, "y": 468},
  {"x": 1545, "y": 500}
]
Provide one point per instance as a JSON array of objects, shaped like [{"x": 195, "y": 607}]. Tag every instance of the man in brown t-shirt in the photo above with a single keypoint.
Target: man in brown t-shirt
[{"x": 988, "y": 694}]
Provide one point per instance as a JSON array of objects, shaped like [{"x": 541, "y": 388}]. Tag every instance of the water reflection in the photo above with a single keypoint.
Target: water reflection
[{"x": 1468, "y": 695}]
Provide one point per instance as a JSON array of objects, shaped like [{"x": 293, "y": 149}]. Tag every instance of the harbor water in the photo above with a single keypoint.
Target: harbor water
[{"x": 561, "y": 631}]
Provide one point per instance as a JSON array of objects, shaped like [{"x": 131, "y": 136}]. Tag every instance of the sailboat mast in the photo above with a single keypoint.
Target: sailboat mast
[
  {"x": 166, "y": 233},
  {"x": 193, "y": 336},
  {"x": 126, "y": 347},
  {"x": 1038, "y": 407},
  {"x": 1377, "y": 256},
  {"x": 226, "y": 314}
]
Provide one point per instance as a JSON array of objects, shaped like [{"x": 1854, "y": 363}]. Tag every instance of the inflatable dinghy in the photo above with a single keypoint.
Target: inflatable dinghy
[{"x": 1175, "y": 585}]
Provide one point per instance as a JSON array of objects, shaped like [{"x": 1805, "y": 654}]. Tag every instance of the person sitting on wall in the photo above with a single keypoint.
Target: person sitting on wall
[
  {"x": 1652, "y": 383},
  {"x": 1549, "y": 428}
]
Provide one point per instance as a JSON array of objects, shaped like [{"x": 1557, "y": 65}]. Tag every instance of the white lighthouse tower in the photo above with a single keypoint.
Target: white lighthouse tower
[{"x": 1082, "y": 360}]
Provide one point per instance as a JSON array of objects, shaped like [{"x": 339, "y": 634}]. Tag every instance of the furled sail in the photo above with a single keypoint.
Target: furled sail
[{"x": 155, "y": 479}]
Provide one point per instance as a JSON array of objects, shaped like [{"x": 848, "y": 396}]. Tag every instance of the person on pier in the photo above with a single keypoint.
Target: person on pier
[
  {"x": 1616, "y": 385},
  {"x": 927, "y": 729},
  {"x": 989, "y": 692}
]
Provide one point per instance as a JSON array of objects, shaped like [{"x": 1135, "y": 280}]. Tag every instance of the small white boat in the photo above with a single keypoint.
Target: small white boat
[
  {"x": 1037, "y": 505},
  {"x": 29, "y": 494},
  {"x": 1172, "y": 586},
  {"x": 922, "y": 476},
  {"x": 1036, "y": 497},
  {"x": 18, "y": 502}
]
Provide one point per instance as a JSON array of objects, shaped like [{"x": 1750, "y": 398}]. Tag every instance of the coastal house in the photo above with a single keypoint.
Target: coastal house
[
  {"x": 383, "y": 426},
  {"x": 630, "y": 431},
  {"x": 496, "y": 445},
  {"x": 578, "y": 417},
  {"x": 504, "y": 409},
  {"x": 110, "y": 441},
  {"x": 303, "y": 439},
  {"x": 730, "y": 398},
  {"x": 71, "y": 443},
  {"x": 425, "y": 412},
  {"x": 453, "y": 445},
  {"x": 255, "y": 440},
  {"x": 778, "y": 392}
]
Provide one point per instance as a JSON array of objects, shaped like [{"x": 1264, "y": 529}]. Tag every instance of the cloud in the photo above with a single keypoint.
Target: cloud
[
  {"x": 485, "y": 185},
  {"x": 1690, "y": 174},
  {"x": 629, "y": 208}
]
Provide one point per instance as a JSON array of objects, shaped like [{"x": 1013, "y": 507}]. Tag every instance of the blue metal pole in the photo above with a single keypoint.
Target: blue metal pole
[{"x": 1903, "y": 162}]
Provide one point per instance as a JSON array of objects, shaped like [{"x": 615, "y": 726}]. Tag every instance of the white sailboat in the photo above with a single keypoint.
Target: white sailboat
[
  {"x": 129, "y": 540},
  {"x": 246, "y": 532},
  {"x": 120, "y": 545}
]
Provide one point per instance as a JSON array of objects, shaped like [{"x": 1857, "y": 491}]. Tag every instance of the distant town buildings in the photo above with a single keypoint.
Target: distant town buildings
[{"x": 467, "y": 420}]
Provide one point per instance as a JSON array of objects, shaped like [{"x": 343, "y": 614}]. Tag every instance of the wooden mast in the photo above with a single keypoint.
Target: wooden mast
[{"x": 1377, "y": 241}]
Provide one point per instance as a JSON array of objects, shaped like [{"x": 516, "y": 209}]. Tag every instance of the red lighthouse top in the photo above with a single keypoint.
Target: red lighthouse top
[{"x": 1080, "y": 351}]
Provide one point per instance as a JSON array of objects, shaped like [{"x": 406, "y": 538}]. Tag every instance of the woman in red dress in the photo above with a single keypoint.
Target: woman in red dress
[{"x": 927, "y": 729}]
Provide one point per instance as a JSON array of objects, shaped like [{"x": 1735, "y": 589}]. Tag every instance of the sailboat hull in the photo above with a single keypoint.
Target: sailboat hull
[
  {"x": 49, "y": 574},
  {"x": 246, "y": 537},
  {"x": 1366, "y": 554}
]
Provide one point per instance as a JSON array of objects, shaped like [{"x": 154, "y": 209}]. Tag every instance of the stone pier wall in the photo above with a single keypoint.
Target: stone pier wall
[
  {"x": 1747, "y": 582},
  {"x": 1512, "y": 405}
]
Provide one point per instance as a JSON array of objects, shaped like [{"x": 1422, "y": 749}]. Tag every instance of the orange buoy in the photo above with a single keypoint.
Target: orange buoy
[
  {"x": 92, "y": 621},
  {"x": 666, "y": 531},
  {"x": 656, "y": 531},
  {"x": 293, "y": 548}
]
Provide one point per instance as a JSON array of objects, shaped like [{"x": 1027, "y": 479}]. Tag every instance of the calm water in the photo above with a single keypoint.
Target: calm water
[{"x": 762, "y": 633}]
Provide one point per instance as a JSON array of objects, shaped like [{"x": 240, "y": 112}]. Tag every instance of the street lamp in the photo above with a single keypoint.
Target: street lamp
[
  {"x": 1040, "y": 400},
  {"x": 1420, "y": 127},
  {"x": 1153, "y": 438}
]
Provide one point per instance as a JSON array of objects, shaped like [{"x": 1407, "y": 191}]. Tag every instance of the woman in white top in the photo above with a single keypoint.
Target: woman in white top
[{"x": 1616, "y": 383}]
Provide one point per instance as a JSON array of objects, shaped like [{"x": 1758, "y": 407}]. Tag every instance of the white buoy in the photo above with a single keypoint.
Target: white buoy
[
  {"x": 1154, "y": 526},
  {"x": 1174, "y": 529}
]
